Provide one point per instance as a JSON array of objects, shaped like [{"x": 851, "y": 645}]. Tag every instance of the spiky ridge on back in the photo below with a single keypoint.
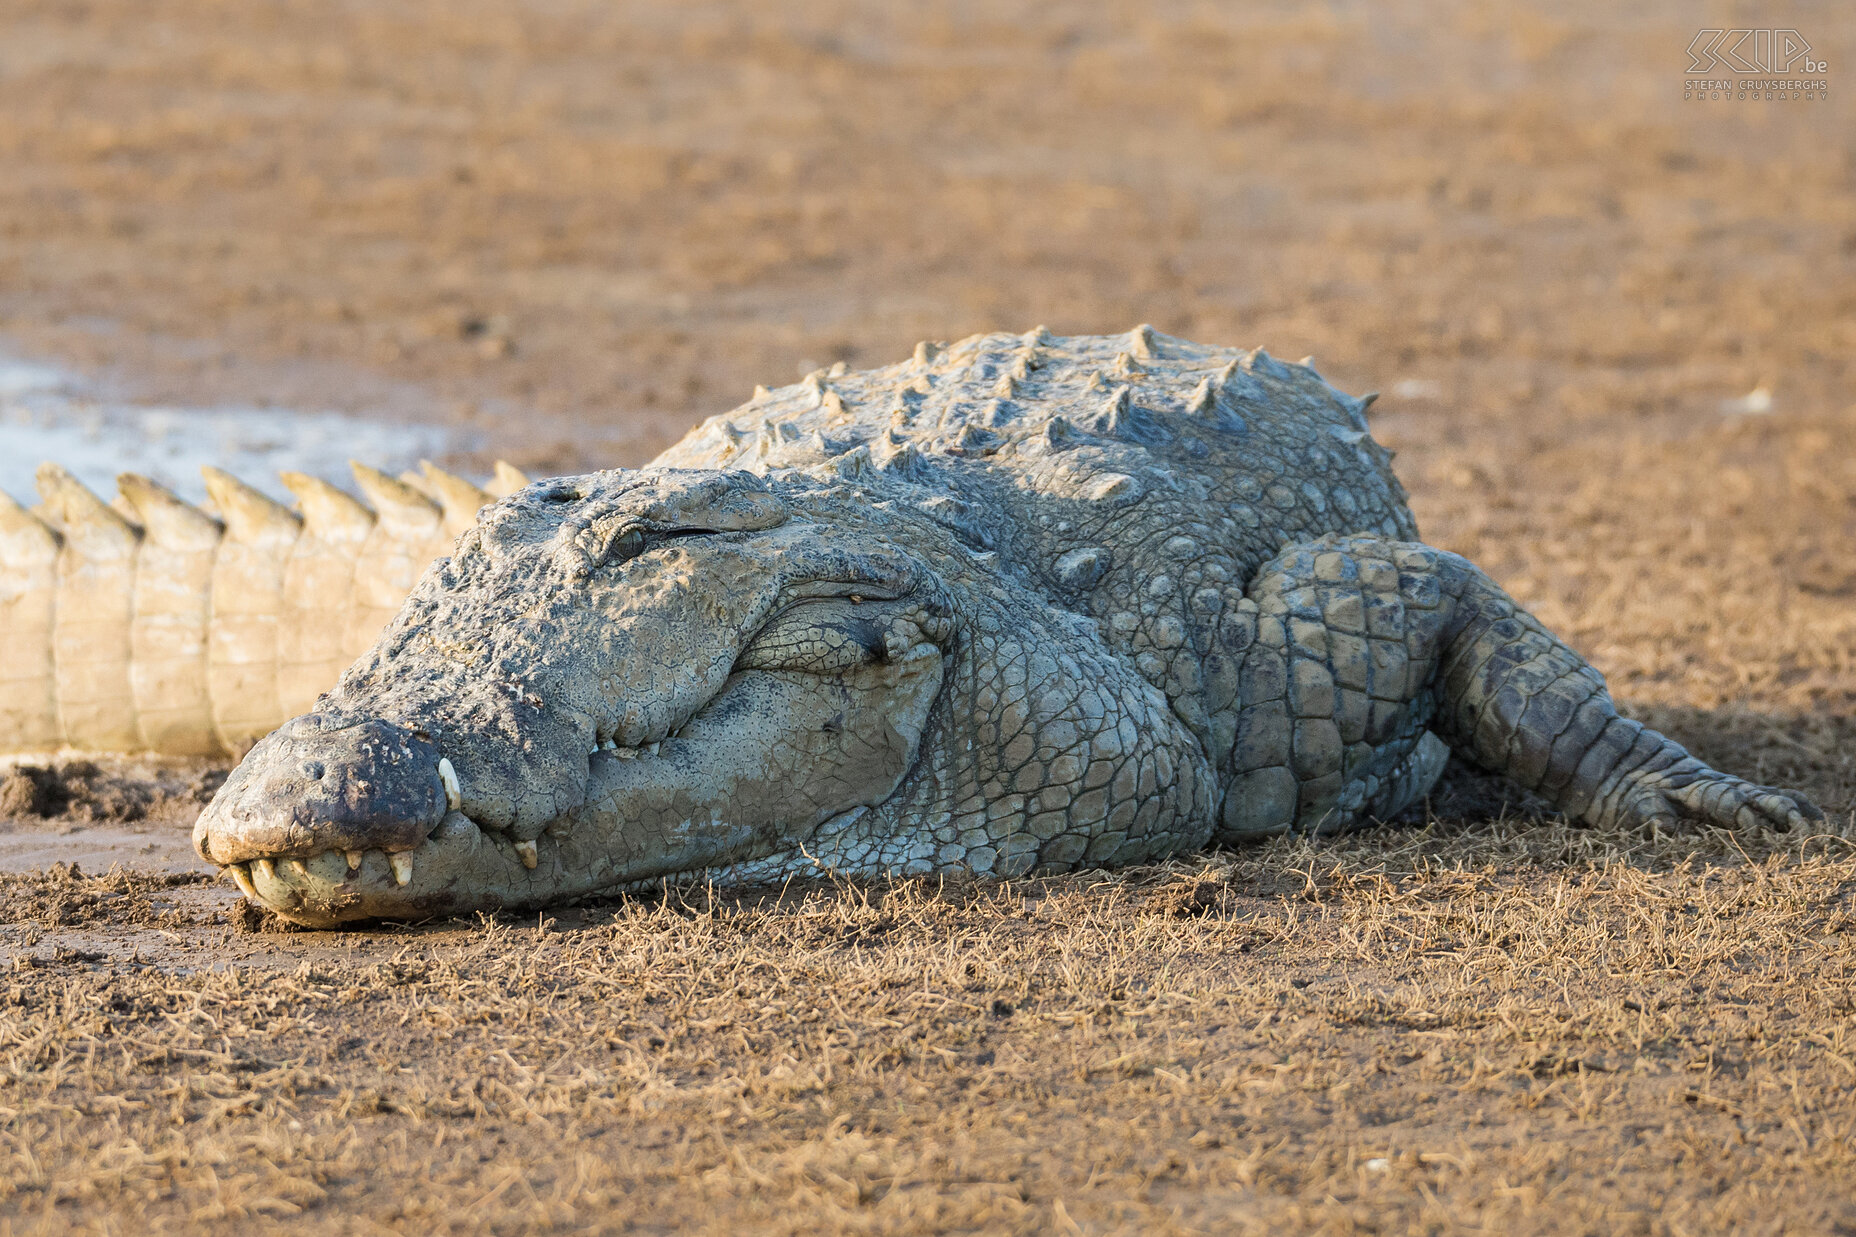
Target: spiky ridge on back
[{"x": 994, "y": 420}]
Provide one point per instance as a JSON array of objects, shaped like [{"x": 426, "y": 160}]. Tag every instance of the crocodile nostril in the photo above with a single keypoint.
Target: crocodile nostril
[{"x": 313, "y": 769}]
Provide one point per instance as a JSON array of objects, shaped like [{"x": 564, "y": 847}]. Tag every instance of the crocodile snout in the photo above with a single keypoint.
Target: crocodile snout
[{"x": 323, "y": 783}]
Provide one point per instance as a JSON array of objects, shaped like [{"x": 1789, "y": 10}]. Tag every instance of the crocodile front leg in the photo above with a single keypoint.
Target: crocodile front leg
[{"x": 1365, "y": 648}]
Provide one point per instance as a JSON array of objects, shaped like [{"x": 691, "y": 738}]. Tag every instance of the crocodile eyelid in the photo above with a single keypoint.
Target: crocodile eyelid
[{"x": 627, "y": 545}]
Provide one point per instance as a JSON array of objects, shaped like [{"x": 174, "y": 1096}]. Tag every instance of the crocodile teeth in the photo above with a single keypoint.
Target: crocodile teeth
[
  {"x": 354, "y": 860},
  {"x": 454, "y": 794},
  {"x": 402, "y": 866},
  {"x": 243, "y": 878},
  {"x": 614, "y": 748},
  {"x": 264, "y": 868},
  {"x": 650, "y": 749},
  {"x": 526, "y": 852},
  {"x": 296, "y": 867}
]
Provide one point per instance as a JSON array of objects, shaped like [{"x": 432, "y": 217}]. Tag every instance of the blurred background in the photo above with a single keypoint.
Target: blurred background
[{"x": 1613, "y": 327}]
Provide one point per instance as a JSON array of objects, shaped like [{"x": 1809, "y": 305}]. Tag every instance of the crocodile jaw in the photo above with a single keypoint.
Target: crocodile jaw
[
  {"x": 565, "y": 707},
  {"x": 771, "y": 759}
]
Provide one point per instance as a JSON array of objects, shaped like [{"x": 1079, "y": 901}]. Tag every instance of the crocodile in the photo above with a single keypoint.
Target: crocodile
[{"x": 1021, "y": 604}]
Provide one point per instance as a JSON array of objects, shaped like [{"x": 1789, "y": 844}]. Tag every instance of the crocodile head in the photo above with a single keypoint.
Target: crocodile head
[{"x": 614, "y": 678}]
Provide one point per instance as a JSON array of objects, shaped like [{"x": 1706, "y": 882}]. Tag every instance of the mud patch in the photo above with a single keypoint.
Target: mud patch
[
  {"x": 123, "y": 791},
  {"x": 66, "y": 896},
  {"x": 39, "y": 846}
]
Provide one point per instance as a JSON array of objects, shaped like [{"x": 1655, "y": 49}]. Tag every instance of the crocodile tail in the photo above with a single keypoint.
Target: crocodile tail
[
  {"x": 312, "y": 643},
  {"x": 93, "y": 607},
  {"x": 29, "y": 550},
  {"x": 147, "y": 624},
  {"x": 458, "y": 500},
  {"x": 247, "y": 604},
  {"x": 506, "y": 480},
  {"x": 408, "y": 534},
  {"x": 170, "y": 623}
]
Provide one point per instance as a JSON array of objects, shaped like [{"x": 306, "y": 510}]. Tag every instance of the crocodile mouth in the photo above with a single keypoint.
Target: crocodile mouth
[
  {"x": 330, "y": 820},
  {"x": 458, "y": 863},
  {"x": 334, "y": 817}
]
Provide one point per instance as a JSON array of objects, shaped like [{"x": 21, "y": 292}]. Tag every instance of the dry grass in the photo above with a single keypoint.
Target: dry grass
[
  {"x": 614, "y": 218},
  {"x": 1442, "y": 1028}
]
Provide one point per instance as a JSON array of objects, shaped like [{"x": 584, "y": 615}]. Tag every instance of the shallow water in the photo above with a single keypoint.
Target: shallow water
[{"x": 50, "y": 414}]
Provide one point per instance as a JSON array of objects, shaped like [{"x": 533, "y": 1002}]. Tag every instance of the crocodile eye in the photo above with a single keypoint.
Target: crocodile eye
[
  {"x": 608, "y": 541},
  {"x": 627, "y": 545}
]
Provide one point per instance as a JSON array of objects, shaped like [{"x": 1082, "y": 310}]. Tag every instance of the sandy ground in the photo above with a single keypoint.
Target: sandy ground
[{"x": 1614, "y": 331}]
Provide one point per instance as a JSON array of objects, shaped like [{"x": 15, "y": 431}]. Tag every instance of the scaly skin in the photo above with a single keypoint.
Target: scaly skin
[
  {"x": 148, "y": 624},
  {"x": 1021, "y": 604}
]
